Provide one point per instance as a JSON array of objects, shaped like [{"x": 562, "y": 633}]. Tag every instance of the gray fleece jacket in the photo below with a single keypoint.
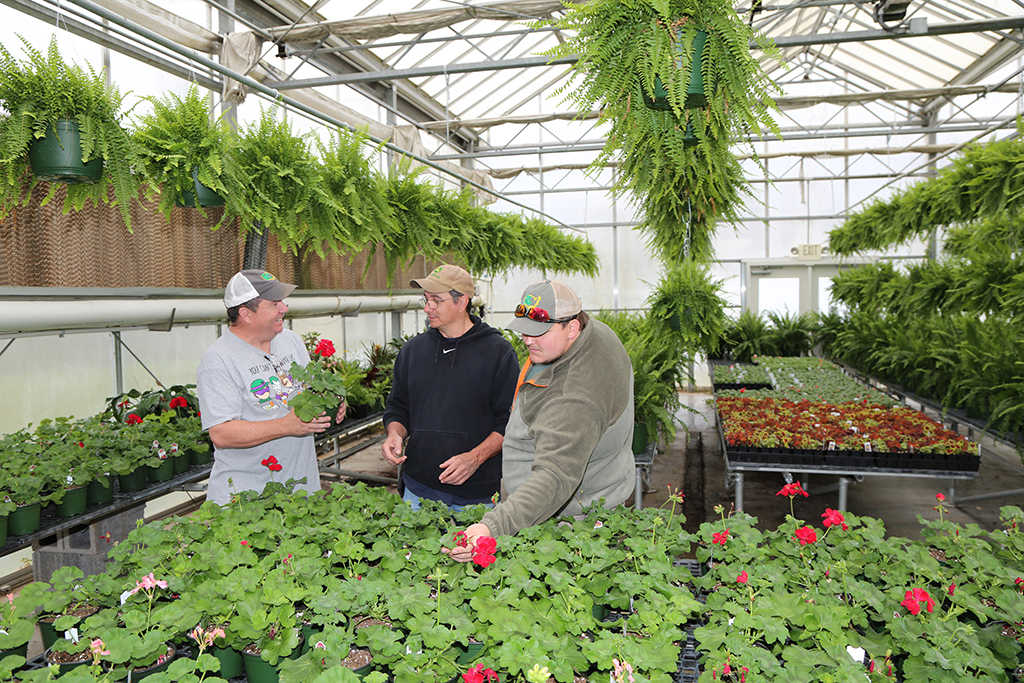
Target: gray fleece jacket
[{"x": 569, "y": 440}]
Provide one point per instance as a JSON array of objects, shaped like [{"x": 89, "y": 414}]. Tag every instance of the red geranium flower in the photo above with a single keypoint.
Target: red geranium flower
[
  {"x": 952, "y": 587},
  {"x": 834, "y": 518},
  {"x": 133, "y": 419},
  {"x": 792, "y": 490},
  {"x": 483, "y": 551},
  {"x": 721, "y": 538},
  {"x": 478, "y": 674},
  {"x": 460, "y": 540},
  {"x": 806, "y": 535},
  {"x": 742, "y": 578},
  {"x": 178, "y": 402},
  {"x": 271, "y": 464},
  {"x": 324, "y": 349},
  {"x": 939, "y": 497},
  {"x": 914, "y": 598}
]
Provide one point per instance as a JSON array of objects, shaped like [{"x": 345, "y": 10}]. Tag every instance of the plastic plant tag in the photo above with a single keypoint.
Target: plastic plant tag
[
  {"x": 71, "y": 634},
  {"x": 867, "y": 446},
  {"x": 125, "y": 596},
  {"x": 831, "y": 445}
]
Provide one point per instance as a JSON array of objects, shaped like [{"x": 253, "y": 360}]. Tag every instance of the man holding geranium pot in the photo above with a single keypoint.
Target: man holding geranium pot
[
  {"x": 450, "y": 397},
  {"x": 244, "y": 388},
  {"x": 568, "y": 442}
]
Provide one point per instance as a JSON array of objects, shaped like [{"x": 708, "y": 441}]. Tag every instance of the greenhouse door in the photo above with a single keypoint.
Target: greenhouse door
[{"x": 788, "y": 285}]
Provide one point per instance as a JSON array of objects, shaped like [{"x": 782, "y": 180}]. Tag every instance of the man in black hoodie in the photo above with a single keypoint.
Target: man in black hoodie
[{"x": 451, "y": 398}]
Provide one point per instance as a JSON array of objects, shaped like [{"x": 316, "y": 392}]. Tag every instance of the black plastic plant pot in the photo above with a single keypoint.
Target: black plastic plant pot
[{"x": 57, "y": 157}]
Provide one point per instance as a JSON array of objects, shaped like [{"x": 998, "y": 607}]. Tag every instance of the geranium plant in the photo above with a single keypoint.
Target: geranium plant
[{"x": 322, "y": 388}]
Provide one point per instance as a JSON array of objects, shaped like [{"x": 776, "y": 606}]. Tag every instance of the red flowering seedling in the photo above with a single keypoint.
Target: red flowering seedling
[
  {"x": 915, "y": 598},
  {"x": 806, "y": 535}
]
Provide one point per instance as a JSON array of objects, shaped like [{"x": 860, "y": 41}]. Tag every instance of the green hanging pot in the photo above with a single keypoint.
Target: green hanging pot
[
  {"x": 133, "y": 481},
  {"x": 99, "y": 491},
  {"x": 695, "y": 96},
  {"x": 74, "y": 502},
  {"x": 162, "y": 472},
  {"x": 24, "y": 519},
  {"x": 57, "y": 157},
  {"x": 203, "y": 196},
  {"x": 690, "y": 138}
]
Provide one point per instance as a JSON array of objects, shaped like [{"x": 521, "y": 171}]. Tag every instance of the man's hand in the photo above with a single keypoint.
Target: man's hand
[
  {"x": 297, "y": 427},
  {"x": 342, "y": 409},
  {"x": 473, "y": 532},
  {"x": 391, "y": 449},
  {"x": 458, "y": 468}
]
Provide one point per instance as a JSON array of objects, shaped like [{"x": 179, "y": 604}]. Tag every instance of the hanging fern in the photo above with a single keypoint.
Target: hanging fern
[
  {"x": 622, "y": 47},
  {"x": 285, "y": 191},
  {"x": 181, "y": 135},
  {"x": 39, "y": 91}
]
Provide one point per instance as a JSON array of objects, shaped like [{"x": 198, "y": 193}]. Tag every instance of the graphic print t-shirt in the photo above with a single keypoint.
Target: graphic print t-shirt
[{"x": 237, "y": 381}]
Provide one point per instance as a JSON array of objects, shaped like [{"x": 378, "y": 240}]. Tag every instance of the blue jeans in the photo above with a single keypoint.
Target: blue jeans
[{"x": 414, "y": 500}]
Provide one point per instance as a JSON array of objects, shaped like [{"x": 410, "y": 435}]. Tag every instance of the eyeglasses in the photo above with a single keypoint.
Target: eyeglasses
[{"x": 432, "y": 303}]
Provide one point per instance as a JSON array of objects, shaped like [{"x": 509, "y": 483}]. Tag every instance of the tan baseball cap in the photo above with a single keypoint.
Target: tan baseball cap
[
  {"x": 446, "y": 278},
  {"x": 543, "y": 305}
]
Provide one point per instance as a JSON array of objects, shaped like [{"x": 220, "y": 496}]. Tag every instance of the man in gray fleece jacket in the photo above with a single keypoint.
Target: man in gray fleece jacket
[{"x": 568, "y": 440}]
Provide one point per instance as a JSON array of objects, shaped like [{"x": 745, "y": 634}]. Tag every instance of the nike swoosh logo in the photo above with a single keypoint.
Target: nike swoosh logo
[{"x": 447, "y": 350}]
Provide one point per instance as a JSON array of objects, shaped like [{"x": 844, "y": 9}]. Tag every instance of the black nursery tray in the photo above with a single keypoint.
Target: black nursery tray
[
  {"x": 854, "y": 460},
  {"x": 736, "y": 386}
]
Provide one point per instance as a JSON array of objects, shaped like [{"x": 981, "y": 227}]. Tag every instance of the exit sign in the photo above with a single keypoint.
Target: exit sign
[{"x": 809, "y": 252}]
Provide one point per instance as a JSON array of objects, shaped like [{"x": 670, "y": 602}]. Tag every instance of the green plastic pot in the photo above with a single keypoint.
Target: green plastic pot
[
  {"x": 65, "y": 668},
  {"x": 3, "y": 530},
  {"x": 197, "y": 458},
  {"x": 180, "y": 463},
  {"x": 99, "y": 492},
  {"x": 133, "y": 481},
  {"x": 74, "y": 502},
  {"x": 20, "y": 650},
  {"x": 468, "y": 653},
  {"x": 203, "y": 195},
  {"x": 640, "y": 438},
  {"x": 120, "y": 674},
  {"x": 48, "y": 633},
  {"x": 695, "y": 97},
  {"x": 24, "y": 520},
  {"x": 57, "y": 157},
  {"x": 162, "y": 472},
  {"x": 258, "y": 670},
  {"x": 231, "y": 665}
]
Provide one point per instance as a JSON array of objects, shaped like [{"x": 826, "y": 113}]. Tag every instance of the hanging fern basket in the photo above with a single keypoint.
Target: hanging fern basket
[
  {"x": 203, "y": 196},
  {"x": 695, "y": 97},
  {"x": 690, "y": 138},
  {"x": 57, "y": 157}
]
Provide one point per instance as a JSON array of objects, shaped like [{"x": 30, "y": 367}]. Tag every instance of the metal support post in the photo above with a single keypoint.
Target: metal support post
[
  {"x": 844, "y": 484},
  {"x": 737, "y": 478}
]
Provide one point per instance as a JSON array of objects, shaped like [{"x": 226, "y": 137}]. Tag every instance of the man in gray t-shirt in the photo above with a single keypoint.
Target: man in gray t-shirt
[{"x": 244, "y": 388}]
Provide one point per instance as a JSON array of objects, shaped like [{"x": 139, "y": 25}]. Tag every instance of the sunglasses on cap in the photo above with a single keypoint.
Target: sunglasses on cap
[{"x": 539, "y": 315}]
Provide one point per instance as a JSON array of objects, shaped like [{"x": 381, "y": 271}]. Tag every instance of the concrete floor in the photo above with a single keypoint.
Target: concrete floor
[{"x": 694, "y": 463}]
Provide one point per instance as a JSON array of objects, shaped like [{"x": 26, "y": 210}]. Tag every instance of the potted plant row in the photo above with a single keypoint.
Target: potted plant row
[
  {"x": 355, "y": 569},
  {"x": 72, "y": 463}
]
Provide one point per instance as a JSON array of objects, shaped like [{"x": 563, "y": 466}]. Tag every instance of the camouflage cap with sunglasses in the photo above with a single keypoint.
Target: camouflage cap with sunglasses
[{"x": 543, "y": 305}]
